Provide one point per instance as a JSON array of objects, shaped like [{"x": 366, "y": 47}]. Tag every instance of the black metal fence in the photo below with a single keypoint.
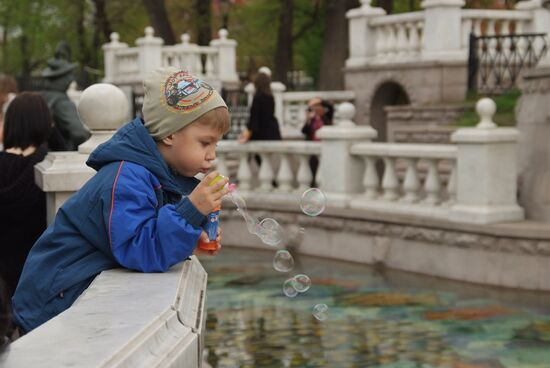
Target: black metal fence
[{"x": 495, "y": 62}]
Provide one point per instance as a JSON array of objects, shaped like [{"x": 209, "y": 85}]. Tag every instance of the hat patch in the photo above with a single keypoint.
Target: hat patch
[{"x": 185, "y": 93}]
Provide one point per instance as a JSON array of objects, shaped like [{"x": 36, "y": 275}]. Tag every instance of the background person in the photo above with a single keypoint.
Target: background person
[{"x": 26, "y": 130}]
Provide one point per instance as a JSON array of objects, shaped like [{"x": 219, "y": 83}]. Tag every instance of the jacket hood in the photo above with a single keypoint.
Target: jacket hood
[{"x": 133, "y": 143}]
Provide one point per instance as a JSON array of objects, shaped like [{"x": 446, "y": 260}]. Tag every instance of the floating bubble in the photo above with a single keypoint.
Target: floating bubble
[
  {"x": 288, "y": 288},
  {"x": 313, "y": 202},
  {"x": 320, "y": 311},
  {"x": 252, "y": 223},
  {"x": 283, "y": 261},
  {"x": 270, "y": 232},
  {"x": 302, "y": 283}
]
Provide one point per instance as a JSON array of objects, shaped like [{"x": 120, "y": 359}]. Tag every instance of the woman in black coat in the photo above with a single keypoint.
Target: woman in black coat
[
  {"x": 27, "y": 126},
  {"x": 262, "y": 124}
]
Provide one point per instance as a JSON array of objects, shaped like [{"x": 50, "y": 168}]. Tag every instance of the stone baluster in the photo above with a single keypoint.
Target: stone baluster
[
  {"x": 110, "y": 58},
  {"x": 370, "y": 179},
  {"x": 451, "y": 185},
  {"x": 486, "y": 192},
  {"x": 362, "y": 37},
  {"x": 209, "y": 66},
  {"x": 304, "y": 175},
  {"x": 380, "y": 41},
  {"x": 318, "y": 176},
  {"x": 432, "y": 184},
  {"x": 414, "y": 41},
  {"x": 284, "y": 175},
  {"x": 197, "y": 64},
  {"x": 150, "y": 52},
  {"x": 266, "y": 175},
  {"x": 391, "y": 40},
  {"x": 477, "y": 26},
  {"x": 411, "y": 184},
  {"x": 402, "y": 43},
  {"x": 244, "y": 174},
  {"x": 221, "y": 163},
  {"x": 185, "y": 51},
  {"x": 390, "y": 182}
]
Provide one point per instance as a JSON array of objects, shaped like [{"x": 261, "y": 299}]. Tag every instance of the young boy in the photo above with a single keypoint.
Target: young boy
[{"x": 143, "y": 210}]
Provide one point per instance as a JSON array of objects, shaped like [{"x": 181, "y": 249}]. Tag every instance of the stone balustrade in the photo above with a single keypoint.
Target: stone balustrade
[
  {"x": 471, "y": 180},
  {"x": 124, "y": 319},
  {"x": 431, "y": 196},
  {"x": 129, "y": 65},
  {"x": 438, "y": 33},
  {"x": 285, "y": 163}
]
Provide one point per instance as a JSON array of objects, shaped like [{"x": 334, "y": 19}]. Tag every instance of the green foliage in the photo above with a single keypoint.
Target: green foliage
[{"x": 504, "y": 116}]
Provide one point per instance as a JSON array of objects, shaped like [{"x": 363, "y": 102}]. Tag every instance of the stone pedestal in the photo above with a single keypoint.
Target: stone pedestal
[
  {"x": 486, "y": 171},
  {"x": 227, "y": 59},
  {"x": 442, "y": 34},
  {"x": 103, "y": 108},
  {"x": 361, "y": 40},
  {"x": 341, "y": 172},
  {"x": 150, "y": 52},
  {"x": 533, "y": 121}
]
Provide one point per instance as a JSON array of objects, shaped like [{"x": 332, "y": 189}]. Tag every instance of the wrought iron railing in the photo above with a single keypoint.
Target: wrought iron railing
[{"x": 495, "y": 62}]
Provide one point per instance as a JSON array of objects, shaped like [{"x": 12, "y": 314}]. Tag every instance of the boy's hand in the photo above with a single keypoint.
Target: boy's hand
[
  {"x": 204, "y": 238},
  {"x": 206, "y": 198}
]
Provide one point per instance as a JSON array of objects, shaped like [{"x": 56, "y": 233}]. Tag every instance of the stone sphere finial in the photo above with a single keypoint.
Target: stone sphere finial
[
  {"x": 114, "y": 37},
  {"x": 103, "y": 106},
  {"x": 149, "y": 32},
  {"x": 344, "y": 114},
  {"x": 486, "y": 109},
  {"x": 185, "y": 38},
  {"x": 223, "y": 33}
]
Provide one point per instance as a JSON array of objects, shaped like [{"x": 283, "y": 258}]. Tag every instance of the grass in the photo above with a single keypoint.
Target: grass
[{"x": 505, "y": 115}]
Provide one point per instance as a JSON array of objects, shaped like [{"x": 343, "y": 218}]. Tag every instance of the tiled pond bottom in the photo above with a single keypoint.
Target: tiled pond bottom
[{"x": 377, "y": 318}]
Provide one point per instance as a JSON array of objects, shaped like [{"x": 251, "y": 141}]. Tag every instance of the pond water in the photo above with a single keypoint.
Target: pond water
[{"x": 376, "y": 318}]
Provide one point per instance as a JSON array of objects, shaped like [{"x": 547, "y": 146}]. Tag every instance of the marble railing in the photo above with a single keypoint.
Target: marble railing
[
  {"x": 440, "y": 32},
  {"x": 129, "y": 65},
  {"x": 284, "y": 163},
  {"x": 398, "y": 35},
  {"x": 397, "y": 180},
  {"x": 191, "y": 55},
  {"x": 124, "y": 319}
]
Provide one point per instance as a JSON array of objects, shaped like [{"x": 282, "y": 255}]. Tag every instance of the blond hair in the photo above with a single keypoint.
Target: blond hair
[{"x": 217, "y": 118}]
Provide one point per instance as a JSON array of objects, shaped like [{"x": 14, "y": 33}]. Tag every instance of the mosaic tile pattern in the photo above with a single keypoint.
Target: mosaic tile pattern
[{"x": 377, "y": 318}]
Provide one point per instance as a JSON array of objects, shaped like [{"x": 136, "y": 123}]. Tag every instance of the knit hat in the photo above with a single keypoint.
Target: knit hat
[{"x": 173, "y": 99}]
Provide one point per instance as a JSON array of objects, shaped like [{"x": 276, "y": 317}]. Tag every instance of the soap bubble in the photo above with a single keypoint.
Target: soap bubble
[
  {"x": 252, "y": 223},
  {"x": 270, "y": 232},
  {"x": 320, "y": 311},
  {"x": 238, "y": 200},
  {"x": 313, "y": 202},
  {"x": 288, "y": 288},
  {"x": 283, "y": 261},
  {"x": 302, "y": 283}
]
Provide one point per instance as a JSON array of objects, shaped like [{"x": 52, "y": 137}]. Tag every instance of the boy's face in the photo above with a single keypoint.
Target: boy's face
[{"x": 192, "y": 149}]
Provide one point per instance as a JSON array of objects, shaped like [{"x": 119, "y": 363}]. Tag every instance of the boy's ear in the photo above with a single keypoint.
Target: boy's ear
[{"x": 168, "y": 140}]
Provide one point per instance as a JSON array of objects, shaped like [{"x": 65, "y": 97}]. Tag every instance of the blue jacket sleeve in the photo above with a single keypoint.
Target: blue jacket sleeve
[{"x": 143, "y": 236}]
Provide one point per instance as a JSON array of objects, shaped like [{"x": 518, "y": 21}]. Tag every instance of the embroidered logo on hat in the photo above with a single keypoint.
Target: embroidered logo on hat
[{"x": 184, "y": 92}]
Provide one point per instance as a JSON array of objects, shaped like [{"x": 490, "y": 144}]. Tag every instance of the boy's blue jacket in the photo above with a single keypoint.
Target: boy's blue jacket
[{"x": 133, "y": 213}]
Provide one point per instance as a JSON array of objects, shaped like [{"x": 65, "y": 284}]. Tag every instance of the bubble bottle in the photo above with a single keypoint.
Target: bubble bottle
[{"x": 211, "y": 227}]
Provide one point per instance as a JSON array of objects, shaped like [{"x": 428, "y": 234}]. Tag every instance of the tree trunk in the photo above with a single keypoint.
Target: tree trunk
[
  {"x": 283, "y": 54},
  {"x": 335, "y": 45},
  {"x": 202, "y": 22},
  {"x": 156, "y": 10}
]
